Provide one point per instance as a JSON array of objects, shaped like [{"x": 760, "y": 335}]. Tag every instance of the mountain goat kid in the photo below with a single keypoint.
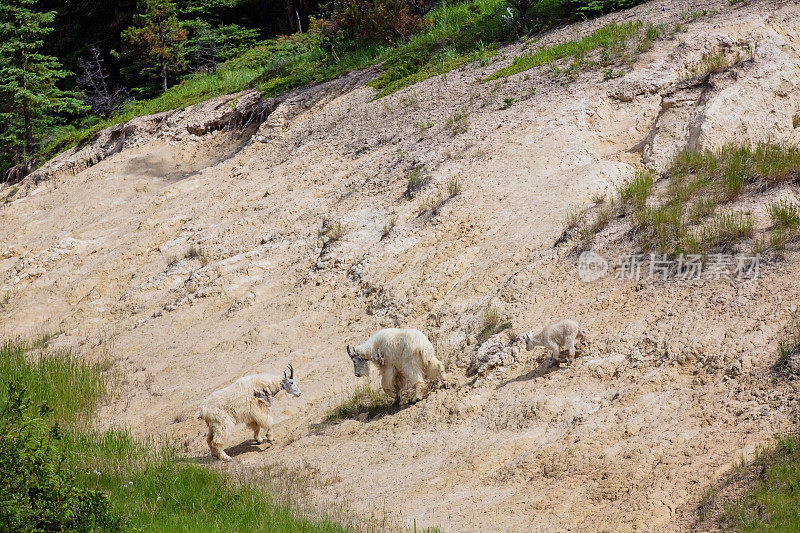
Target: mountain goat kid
[
  {"x": 555, "y": 336},
  {"x": 247, "y": 400},
  {"x": 404, "y": 357}
]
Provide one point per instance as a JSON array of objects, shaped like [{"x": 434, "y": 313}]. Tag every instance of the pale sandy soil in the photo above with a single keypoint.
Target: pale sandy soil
[{"x": 676, "y": 384}]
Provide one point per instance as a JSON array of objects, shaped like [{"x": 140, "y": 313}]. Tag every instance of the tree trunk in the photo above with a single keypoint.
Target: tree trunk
[
  {"x": 26, "y": 116},
  {"x": 164, "y": 76}
]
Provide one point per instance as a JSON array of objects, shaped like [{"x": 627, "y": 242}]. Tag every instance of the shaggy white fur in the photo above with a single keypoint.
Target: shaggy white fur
[
  {"x": 404, "y": 357},
  {"x": 247, "y": 400},
  {"x": 555, "y": 336}
]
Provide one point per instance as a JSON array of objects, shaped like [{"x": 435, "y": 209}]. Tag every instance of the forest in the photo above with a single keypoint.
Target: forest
[{"x": 70, "y": 67}]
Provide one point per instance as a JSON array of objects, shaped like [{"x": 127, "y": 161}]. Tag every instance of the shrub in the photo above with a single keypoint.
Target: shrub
[
  {"x": 576, "y": 9},
  {"x": 364, "y": 22},
  {"x": 37, "y": 490}
]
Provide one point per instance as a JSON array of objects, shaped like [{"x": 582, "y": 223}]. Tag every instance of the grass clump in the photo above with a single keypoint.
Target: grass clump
[
  {"x": 196, "y": 252},
  {"x": 388, "y": 226},
  {"x": 785, "y": 214},
  {"x": 611, "y": 40},
  {"x": 416, "y": 180},
  {"x": 508, "y": 101},
  {"x": 683, "y": 218},
  {"x": 453, "y": 188},
  {"x": 365, "y": 399},
  {"x": 725, "y": 230},
  {"x": 788, "y": 348},
  {"x": 431, "y": 205},
  {"x": 331, "y": 231},
  {"x": 713, "y": 63},
  {"x": 636, "y": 191},
  {"x": 85, "y": 480},
  {"x": 493, "y": 322},
  {"x": 458, "y": 123}
]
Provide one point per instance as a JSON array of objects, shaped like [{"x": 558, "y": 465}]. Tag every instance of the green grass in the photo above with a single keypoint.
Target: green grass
[
  {"x": 416, "y": 179},
  {"x": 789, "y": 346},
  {"x": 150, "y": 486},
  {"x": 493, "y": 322},
  {"x": 785, "y": 214},
  {"x": 725, "y": 230},
  {"x": 455, "y": 33},
  {"x": 683, "y": 217},
  {"x": 364, "y": 399},
  {"x": 636, "y": 191},
  {"x": 71, "y": 387},
  {"x": 771, "y": 502},
  {"x": 713, "y": 63},
  {"x": 611, "y": 40},
  {"x": 459, "y": 32}
]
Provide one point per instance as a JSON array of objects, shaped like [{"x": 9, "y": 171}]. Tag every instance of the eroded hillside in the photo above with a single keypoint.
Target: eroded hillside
[{"x": 195, "y": 246}]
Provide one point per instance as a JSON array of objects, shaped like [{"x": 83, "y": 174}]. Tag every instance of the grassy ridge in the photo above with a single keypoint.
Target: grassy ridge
[
  {"x": 682, "y": 215},
  {"x": 773, "y": 501},
  {"x": 150, "y": 487},
  {"x": 609, "y": 38}
]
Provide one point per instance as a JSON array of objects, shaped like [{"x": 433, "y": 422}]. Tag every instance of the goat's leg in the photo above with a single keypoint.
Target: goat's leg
[
  {"x": 571, "y": 348},
  {"x": 267, "y": 426},
  {"x": 419, "y": 387},
  {"x": 388, "y": 383},
  {"x": 215, "y": 443},
  {"x": 256, "y": 431},
  {"x": 555, "y": 350}
]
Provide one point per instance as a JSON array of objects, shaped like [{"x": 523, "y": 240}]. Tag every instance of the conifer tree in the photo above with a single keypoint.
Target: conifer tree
[
  {"x": 29, "y": 97},
  {"x": 157, "y": 37}
]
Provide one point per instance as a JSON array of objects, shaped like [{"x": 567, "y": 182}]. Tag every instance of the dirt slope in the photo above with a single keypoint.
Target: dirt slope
[{"x": 675, "y": 386}]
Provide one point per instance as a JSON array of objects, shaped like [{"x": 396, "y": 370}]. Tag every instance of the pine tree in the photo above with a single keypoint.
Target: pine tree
[
  {"x": 29, "y": 97},
  {"x": 158, "y": 35}
]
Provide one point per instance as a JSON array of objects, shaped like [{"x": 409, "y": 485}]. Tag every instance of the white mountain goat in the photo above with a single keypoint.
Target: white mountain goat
[
  {"x": 555, "y": 336},
  {"x": 248, "y": 400},
  {"x": 404, "y": 357}
]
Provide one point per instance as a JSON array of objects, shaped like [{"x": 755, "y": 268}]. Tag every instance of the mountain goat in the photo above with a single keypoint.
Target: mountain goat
[
  {"x": 404, "y": 357},
  {"x": 247, "y": 400},
  {"x": 555, "y": 336}
]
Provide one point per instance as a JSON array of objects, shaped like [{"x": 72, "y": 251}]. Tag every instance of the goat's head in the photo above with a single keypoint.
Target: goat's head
[
  {"x": 529, "y": 341},
  {"x": 288, "y": 382},
  {"x": 360, "y": 365}
]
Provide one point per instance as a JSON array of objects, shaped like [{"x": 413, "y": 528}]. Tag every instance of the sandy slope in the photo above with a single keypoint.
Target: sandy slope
[{"x": 625, "y": 439}]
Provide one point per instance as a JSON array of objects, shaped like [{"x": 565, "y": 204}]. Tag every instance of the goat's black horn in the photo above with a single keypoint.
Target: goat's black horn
[{"x": 291, "y": 371}]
